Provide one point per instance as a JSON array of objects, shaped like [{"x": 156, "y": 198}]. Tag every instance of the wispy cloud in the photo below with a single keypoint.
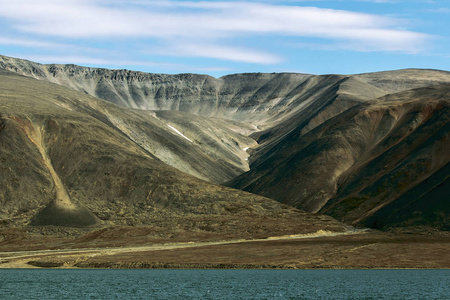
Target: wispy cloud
[
  {"x": 378, "y": 1},
  {"x": 440, "y": 10},
  {"x": 27, "y": 43},
  {"x": 208, "y": 29},
  {"x": 217, "y": 51},
  {"x": 42, "y": 43},
  {"x": 392, "y": 1},
  {"x": 65, "y": 59},
  {"x": 89, "y": 60}
]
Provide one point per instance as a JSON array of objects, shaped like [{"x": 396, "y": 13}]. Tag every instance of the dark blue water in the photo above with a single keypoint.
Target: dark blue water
[{"x": 224, "y": 284}]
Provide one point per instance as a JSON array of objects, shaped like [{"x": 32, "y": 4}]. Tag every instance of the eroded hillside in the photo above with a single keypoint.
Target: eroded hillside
[
  {"x": 64, "y": 163},
  {"x": 368, "y": 149},
  {"x": 356, "y": 165}
]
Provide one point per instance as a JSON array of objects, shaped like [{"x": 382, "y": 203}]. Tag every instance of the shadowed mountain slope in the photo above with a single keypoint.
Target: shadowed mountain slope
[
  {"x": 357, "y": 165},
  {"x": 65, "y": 163}
]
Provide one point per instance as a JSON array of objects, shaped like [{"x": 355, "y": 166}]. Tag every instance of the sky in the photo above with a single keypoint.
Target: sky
[{"x": 225, "y": 37}]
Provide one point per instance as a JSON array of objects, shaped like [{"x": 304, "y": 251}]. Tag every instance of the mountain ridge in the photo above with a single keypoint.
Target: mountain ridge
[{"x": 268, "y": 132}]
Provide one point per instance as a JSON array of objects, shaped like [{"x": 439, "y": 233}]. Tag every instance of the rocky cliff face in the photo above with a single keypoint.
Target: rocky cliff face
[{"x": 356, "y": 147}]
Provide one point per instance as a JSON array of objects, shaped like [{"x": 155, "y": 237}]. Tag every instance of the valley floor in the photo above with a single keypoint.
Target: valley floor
[{"x": 349, "y": 250}]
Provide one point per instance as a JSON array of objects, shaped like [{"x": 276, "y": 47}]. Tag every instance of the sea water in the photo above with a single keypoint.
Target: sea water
[{"x": 223, "y": 284}]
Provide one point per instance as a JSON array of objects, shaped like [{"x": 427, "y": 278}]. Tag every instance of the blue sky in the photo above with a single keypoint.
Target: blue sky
[{"x": 224, "y": 37}]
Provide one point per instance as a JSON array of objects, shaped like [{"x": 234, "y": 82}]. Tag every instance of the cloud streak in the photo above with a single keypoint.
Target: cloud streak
[
  {"x": 207, "y": 29},
  {"x": 88, "y": 60}
]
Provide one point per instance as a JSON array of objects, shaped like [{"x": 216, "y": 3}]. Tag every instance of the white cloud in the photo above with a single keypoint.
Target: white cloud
[
  {"x": 392, "y": 1},
  {"x": 73, "y": 59},
  {"x": 89, "y": 60},
  {"x": 27, "y": 43},
  {"x": 378, "y": 1},
  {"x": 442, "y": 10},
  {"x": 222, "y": 52},
  {"x": 35, "y": 43},
  {"x": 207, "y": 29}
]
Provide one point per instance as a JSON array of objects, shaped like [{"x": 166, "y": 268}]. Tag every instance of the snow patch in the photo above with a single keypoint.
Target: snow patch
[
  {"x": 246, "y": 148},
  {"x": 179, "y": 133}
]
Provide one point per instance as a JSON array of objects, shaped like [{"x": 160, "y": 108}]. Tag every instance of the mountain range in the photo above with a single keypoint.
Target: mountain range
[{"x": 84, "y": 146}]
